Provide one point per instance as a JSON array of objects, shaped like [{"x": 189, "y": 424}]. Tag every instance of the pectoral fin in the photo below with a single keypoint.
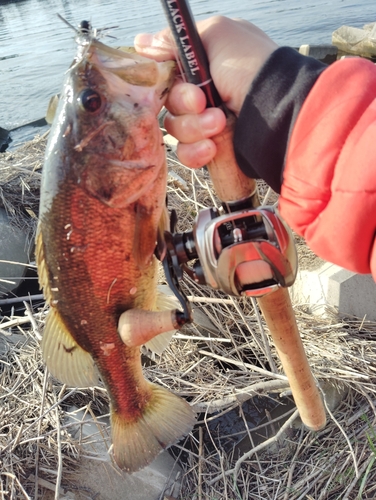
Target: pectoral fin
[
  {"x": 65, "y": 359},
  {"x": 164, "y": 302},
  {"x": 162, "y": 227},
  {"x": 145, "y": 236}
]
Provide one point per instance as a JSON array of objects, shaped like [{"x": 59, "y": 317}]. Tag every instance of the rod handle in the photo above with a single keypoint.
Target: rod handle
[{"x": 280, "y": 318}]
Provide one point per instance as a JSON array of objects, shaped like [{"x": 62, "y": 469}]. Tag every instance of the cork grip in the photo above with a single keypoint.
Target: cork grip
[{"x": 230, "y": 185}]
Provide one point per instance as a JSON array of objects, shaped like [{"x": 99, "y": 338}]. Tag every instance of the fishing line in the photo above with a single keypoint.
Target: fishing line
[{"x": 177, "y": 58}]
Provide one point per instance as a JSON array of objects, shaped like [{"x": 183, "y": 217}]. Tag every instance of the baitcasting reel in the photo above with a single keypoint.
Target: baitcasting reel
[{"x": 248, "y": 251}]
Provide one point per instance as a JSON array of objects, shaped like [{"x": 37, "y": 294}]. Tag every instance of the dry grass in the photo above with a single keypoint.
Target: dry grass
[
  {"x": 20, "y": 175},
  {"x": 219, "y": 370}
]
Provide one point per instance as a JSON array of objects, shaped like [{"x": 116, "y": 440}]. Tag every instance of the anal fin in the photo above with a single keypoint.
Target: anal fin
[{"x": 65, "y": 359}]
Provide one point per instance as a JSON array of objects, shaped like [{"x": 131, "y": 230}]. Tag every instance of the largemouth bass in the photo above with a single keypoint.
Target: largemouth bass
[{"x": 102, "y": 201}]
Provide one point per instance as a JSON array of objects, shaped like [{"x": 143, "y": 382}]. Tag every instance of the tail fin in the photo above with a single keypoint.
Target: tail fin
[{"x": 165, "y": 420}]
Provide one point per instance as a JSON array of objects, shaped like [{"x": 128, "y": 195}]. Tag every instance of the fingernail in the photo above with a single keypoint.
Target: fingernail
[
  {"x": 201, "y": 153},
  {"x": 204, "y": 150},
  {"x": 144, "y": 40},
  {"x": 209, "y": 123}
]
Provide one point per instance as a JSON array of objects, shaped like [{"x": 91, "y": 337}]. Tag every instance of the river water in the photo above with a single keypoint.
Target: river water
[{"x": 36, "y": 47}]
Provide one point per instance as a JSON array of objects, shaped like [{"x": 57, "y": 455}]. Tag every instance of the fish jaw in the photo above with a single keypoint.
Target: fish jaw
[{"x": 135, "y": 70}]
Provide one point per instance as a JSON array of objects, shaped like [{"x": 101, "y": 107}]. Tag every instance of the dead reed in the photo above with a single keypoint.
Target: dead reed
[{"x": 220, "y": 364}]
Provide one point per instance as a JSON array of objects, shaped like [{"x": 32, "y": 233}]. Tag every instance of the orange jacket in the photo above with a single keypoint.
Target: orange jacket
[
  {"x": 309, "y": 130},
  {"x": 328, "y": 192}
]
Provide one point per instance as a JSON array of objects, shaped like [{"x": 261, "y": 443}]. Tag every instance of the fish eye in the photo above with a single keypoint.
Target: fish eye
[{"x": 90, "y": 100}]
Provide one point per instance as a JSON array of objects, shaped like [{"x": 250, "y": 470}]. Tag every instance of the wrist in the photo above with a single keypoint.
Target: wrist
[{"x": 269, "y": 112}]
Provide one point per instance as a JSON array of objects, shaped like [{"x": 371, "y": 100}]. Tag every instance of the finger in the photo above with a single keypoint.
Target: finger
[
  {"x": 159, "y": 46},
  {"x": 185, "y": 98},
  {"x": 192, "y": 128},
  {"x": 198, "y": 154}
]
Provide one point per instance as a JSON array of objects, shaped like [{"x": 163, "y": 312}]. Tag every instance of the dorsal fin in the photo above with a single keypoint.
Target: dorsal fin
[
  {"x": 51, "y": 109},
  {"x": 41, "y": 264}
]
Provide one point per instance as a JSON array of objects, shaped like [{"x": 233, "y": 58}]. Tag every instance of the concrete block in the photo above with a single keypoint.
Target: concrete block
[
  {"x": 104, "y": 480},
  {"x": 349, "y": 293}
]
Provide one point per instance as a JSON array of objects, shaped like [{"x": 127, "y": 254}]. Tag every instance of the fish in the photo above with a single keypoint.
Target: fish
[{"x": 102, "y": 212}]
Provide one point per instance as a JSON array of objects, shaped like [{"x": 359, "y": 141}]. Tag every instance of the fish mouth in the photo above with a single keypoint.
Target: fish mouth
[
  {"x": 131, "y": 67},
  {"x": 131, "y": 165}
]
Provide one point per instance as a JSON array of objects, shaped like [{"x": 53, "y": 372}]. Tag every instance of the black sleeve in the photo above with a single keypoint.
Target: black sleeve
[{"x": 269, "y": 112}]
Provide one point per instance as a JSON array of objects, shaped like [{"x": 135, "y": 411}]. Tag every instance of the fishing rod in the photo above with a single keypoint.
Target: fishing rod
[
  {"x": 191, "y": 51},
  {"x": 249, "y": 235}
]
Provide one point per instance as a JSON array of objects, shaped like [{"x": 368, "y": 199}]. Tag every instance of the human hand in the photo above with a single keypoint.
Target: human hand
[{"x": 236, "y": 51}]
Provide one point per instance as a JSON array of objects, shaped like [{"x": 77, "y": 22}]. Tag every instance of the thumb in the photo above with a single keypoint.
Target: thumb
[{"x": 159, "y": 46}]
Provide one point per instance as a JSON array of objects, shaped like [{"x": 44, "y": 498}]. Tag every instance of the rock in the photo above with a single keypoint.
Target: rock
[
  {"x": 14, "y": 247},
  {"x": 356, "y": 41},
  {"x": 4, "y": 139},
  {"x": 334, "y": 394},
  {"x": 171, "y": 142},
  {"x": 105, "y": 480}
]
